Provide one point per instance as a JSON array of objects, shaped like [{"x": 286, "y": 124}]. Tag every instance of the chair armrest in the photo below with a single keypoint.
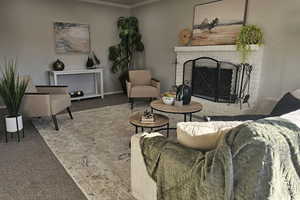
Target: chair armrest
[
  {"x": 55, "y": 89},
  {"x": 36, "y": 105},
  {"x": 128, "y": 87},
  {"x": 156, "y": 83}
]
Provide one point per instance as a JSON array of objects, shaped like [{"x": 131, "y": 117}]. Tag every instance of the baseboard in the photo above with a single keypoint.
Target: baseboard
[{"x": 114, "y": 92}]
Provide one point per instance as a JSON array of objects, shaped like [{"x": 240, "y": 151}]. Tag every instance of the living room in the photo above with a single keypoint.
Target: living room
[{"x": 88, "y": 148}]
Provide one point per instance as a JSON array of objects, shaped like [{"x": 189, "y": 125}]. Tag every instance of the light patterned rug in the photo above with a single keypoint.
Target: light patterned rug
[{"x": 94, "y": 149}]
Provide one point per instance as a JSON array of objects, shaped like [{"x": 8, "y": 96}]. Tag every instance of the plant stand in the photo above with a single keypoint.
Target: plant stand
[{"x": 12, "y": 133}]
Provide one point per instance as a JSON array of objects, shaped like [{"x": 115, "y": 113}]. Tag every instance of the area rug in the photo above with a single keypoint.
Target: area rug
[{"x": 94, "y": 149}]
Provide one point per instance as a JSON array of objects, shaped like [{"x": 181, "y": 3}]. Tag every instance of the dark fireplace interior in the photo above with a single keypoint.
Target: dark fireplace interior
[{"x": 212, "y": 80}]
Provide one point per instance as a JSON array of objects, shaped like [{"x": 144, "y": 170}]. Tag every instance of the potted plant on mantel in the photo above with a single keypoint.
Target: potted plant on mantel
[
  {"x": 12, "y": 90},
  {"x": 249, "y": 35},
  {"x": 123, "y": 54}
]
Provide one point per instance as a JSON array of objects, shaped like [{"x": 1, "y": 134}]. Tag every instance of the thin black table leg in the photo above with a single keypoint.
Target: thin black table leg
[
  {"x": 168, "y": 127},
  {"x": 184, "y": 117},
  {"x": 18, "y": 132},
  {"x": 6, "y": 140},
  {"x": 136, "y": 130},
  {"x": 191, "y": 117},
  {"x": 143, "y": 129}
]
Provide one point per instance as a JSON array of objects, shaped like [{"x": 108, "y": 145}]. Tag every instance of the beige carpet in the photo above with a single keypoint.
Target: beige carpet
[{"x": 94, "y": 149}]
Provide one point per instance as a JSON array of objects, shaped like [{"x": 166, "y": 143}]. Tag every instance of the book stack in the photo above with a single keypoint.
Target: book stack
[{"x": 147, "y": 117}]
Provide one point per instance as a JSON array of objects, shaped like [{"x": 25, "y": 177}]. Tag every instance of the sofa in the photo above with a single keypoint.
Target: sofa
[
  {"x": 145, "y": 188},
  {"x": 268, "y": 108}
]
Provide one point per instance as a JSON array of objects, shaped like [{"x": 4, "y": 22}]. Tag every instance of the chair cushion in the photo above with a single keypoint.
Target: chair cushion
[
  {"x": 59, "y": 103},
  {"x": 144, "y": 91},
  {"x": 140, "y": 77},
  {"x": 203, "y": 135},
  {"x": 286, "y": 104}
]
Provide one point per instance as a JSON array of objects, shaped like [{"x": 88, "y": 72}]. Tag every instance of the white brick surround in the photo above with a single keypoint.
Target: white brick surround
[{"x": 226, "y": 53}]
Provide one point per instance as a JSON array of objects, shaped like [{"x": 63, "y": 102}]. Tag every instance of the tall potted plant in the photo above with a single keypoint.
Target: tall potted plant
[
  {"x": 12, "y": 90},
  {"x": 123, "y": 54},
  {"x": 249, "y": 35}
]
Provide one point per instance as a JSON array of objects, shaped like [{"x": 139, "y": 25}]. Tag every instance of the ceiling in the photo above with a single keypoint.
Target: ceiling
[{"x": 121, "y": 3}]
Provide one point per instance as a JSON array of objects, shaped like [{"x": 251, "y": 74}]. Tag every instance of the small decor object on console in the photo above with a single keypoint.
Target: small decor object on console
[
  {"x": 184, "y": 94},
  {"x": 147, "y": 117},
  {"x": 97, "y": 61},
  {"x": 58, "y": 65},
  {"x": 90, "y": 63},
  {"x": 75, "y": 94}
]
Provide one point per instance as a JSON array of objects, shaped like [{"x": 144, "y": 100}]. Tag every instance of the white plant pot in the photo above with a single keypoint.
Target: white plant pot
[{"x": 11, "y": 123}]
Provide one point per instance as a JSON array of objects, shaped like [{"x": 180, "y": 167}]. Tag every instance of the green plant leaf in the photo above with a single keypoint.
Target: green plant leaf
[
  {"x": 250, "y": 34},
  {"x": 122, "y": 55},
  {"x": 12, "y": 87}
]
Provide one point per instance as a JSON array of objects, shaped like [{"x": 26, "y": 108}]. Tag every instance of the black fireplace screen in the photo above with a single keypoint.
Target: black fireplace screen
[{"x": 212, "y": 80}]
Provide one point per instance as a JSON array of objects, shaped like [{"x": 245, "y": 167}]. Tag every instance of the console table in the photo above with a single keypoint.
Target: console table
[{"x": 97, "y": 81}]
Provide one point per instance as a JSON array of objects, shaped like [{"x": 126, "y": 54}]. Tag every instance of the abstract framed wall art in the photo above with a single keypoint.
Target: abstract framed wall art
[
  {"x": 218, "y": 22},
  {"x": 72, "y": 37}
]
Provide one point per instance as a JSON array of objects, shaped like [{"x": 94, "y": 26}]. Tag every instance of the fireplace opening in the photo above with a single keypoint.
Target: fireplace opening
[{"x": 212, "y": 79}]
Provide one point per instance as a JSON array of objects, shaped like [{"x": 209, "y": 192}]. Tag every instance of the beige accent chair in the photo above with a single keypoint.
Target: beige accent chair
[
  {"x": 142, "y": 85},
  {"x": 42, "y": 101}
]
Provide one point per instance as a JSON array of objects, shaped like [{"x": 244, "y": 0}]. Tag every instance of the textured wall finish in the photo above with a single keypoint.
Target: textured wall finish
[
  {"x": 162, "y": 21},
  {"x": 27, "y": 33}
]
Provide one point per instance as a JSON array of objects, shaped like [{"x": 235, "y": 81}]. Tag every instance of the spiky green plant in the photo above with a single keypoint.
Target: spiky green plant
[
  {"x": 12, "y": 87},
  {"x": 249, "y": 34}
]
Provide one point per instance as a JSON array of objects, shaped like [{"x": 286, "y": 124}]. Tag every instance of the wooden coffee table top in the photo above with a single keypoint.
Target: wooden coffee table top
[
  {"x": 193, "y": 107},
  {"x": 160, "y": 120}
]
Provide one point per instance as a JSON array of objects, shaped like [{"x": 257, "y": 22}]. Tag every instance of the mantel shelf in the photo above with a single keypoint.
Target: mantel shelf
[{"x": 211, "y": 48}]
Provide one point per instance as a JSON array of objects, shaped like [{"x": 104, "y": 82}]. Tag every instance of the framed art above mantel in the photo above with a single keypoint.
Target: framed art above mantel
[{"x": 218, "y": 22}]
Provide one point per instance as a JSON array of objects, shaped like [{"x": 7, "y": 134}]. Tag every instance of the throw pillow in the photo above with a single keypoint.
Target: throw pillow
[
  {"x": 203, "y": 135},
  {"x": 286, "y": 104},
  {"x": 293, "y": 117}
]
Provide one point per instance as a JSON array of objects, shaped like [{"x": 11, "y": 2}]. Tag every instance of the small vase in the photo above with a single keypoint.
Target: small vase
[
  {"x": 184, "y": 94},
  {"x": 58, "y": 65},
  {"x": 14, "y": 123},
  {"x": 90, "y": 63},
  {"x": 97, "y": 61}
]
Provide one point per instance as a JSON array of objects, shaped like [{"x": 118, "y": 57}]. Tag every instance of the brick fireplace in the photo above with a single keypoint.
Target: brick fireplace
[{"x": 189, "y": 69}]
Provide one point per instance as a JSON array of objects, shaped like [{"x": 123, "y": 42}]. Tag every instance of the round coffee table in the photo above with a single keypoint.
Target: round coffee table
[
  {"x": 186, "y": 110},
  {"x": 160, "y": 121}
]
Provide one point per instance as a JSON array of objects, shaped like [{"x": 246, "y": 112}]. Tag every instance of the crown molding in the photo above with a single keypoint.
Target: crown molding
[
  {"x": 120, "y": 5},
  {"x": 144, "y": 3},
  {"x": 100, "y": 2}
]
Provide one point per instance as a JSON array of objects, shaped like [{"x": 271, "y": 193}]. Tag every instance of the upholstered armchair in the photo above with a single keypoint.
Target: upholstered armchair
[
  {"x": 42, "y": 101},
  {"x": 142, "y": 85}
]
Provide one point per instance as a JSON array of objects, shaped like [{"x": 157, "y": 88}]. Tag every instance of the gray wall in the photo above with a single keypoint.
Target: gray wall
[
  {"x": 162, "y": 21},
  {"x": 27, "y": 33}
]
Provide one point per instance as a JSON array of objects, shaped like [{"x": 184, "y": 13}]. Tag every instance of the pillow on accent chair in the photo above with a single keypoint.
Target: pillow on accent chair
[
  {"x": 203, "y": 135},
  {"x": 288, "y": 103}
]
